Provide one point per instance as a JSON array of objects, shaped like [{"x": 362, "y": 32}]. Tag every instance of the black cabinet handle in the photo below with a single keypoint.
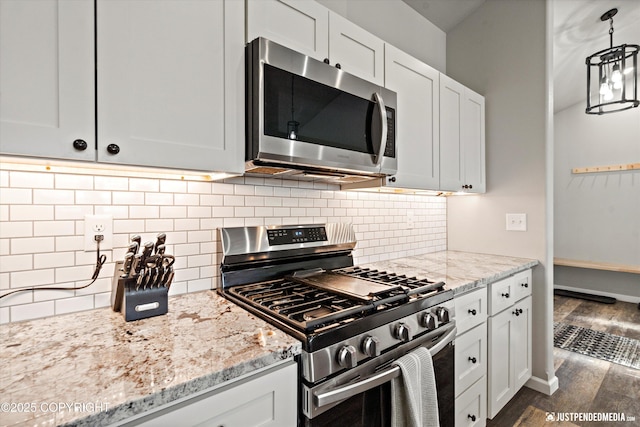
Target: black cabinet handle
[
  {"x": 506, "y": 295},
  {"x": 525, "y": 284},
  {"x": 472, "y": 311},
  {"x": 518, "y": 311},
  {"x": 80, "y": 144},
  {"x": 338, "y": 66},
  {"x": 473, "y": 359},
  {"x": 472, "y": 417},
  {"x": 113, "y": 148},
  {"x": 325, "y": 60},
  {"x": 392, "y": 179},
  {"x": 470, "y": 186}
]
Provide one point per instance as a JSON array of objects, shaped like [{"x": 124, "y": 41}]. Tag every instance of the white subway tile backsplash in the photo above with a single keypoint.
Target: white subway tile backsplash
[
  {"x": 18, "y": 179},
  {"x": 16, "y": 263},
  {"x": 42, "y": 227}
]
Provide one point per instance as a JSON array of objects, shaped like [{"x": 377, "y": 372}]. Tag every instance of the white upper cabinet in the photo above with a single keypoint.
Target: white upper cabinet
[
  {"x": 47, "y": 79},
  {"x": 417, "y": 122},
  {"x": 355, "y": 50},
  {"x": 310, "y": 28},
  {"x": 170, "y": 83},
  {"x": 300, "y": 25},
  {"x": 462, "y": 144}
]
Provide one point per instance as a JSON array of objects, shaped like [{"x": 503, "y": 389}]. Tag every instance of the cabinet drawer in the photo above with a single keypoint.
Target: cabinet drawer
[
  {"x": 470, "y": 357},
  {"x": 471, "y": 309},
  {"x": 501, "y": 295},
  {"x": 471, "y": 406},
  {"x": 522, "y": 285}
]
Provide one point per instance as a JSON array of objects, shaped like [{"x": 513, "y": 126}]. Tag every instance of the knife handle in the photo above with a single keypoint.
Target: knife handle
[
  {"x": 136, "y": 265},
  {"x": 146, "y": 250},
  {"x": 160, "y": 249},
  {"x": 136, "y": 239},
  {"x": 133, "y": 248},
  {"x": 128, "y": 261},
  {"x": 161, "y": 238}
]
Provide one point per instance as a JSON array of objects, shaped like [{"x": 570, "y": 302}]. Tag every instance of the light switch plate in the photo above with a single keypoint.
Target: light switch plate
[{"x": 516, "y": 222}]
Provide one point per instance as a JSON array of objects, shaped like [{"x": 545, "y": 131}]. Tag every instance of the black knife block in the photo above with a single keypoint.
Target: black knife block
[{"x": 137, "y": 304}]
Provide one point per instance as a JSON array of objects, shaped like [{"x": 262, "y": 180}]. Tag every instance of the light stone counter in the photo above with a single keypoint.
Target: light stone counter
[
  {"x": 110, "y": 370},
  {"x": 461, "y": 271}
]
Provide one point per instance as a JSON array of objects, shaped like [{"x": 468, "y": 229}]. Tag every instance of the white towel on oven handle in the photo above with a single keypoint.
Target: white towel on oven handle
[{"x": 414, "y": 399}]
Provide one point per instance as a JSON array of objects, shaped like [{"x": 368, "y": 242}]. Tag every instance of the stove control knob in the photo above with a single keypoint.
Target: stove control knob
[
  {"x": 428, "y": 320},
  {"x": 347, "y": 357},
  {"x": 371, "y": 346},
  {"x": 443, "y": 314},
  {"x": 402, "y": 332}
]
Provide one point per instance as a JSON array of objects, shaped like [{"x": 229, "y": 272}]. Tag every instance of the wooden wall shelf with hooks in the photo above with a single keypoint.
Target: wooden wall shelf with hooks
[{"x": 610, "y": 168}]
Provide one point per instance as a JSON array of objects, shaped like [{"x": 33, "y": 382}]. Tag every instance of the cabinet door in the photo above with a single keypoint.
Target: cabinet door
[
  {"x": 170, "y": 82},
  {"x": 451, "y": 146},
  {"x": 417, "y": 121},
  {"x": 470, "y": 359},
  {"x": 300, "y": 25},
  {"x": 522, "y": 351},
  {"x": 355, "y": 50},
  {"x": 500, "y": 371},
  {"x": 47, "y": 78},
  {"x": 472, "y": 129},
  {"x": 266, "y": 400},
  {"x": 471, "y": 406}
]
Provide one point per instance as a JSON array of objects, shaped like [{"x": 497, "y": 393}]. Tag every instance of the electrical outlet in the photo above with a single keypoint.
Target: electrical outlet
[
  {"x": 410, "y": 220},
  {"x": 516, "y": 222},
  {"x": 95, "y": 225}
]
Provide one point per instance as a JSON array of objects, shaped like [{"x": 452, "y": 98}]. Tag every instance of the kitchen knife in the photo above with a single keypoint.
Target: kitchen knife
[
  {"x": 136, "y": 239},
  {"x": 136, "y": 265},
  {"x": 160, "y": 249},
  {"x": 146, "y": 251},
  {"x": 161, "y": 238},
  {"x": 126, "y": 266},
  {"x": 133, "y": 248}
]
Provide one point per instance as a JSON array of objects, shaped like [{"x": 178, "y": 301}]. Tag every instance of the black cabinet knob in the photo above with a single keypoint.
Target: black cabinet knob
[
  {"x": 80, "y": 144},
  {"x": 526, "y": 285},
  {"x": 472, "y": 311},
  {"x": 392, "y": 179},
  {"x": 473, "y": 359},
  {"x": 470, "y": 186},
  {"x": 113, "y": 148},
  {"x": 518, "y": 311},
  {"x": 471, "y": 417},
  {"x": 338, "y": 66},
  {"x": 325, "y": 60},
  {"x": 506, "y": 295}
]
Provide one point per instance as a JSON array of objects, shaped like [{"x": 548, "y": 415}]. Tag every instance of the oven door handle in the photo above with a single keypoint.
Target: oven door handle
[{"x": 342, "y": 393}]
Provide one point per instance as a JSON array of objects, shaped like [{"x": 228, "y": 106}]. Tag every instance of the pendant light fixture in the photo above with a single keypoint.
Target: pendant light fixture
[{"x": 612, "y": 75}]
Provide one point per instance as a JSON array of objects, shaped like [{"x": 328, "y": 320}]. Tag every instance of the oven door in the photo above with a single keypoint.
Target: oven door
[{"x": 361, "y": 397}]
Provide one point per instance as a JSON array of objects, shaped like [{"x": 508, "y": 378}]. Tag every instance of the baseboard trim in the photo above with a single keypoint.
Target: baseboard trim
[
  {"x": 543, "y": 386},
  {"x": 620, "y": 297}
]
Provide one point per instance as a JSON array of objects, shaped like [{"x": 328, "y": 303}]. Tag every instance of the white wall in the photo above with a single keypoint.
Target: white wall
[
  {"x": 396, "y": 23},
  {"x": 42, "y": 226},
  {"x": 501, "y": 52},
  {"x": 597, "y": 215}
]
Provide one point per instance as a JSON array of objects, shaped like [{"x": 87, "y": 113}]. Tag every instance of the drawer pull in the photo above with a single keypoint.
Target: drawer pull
[
  {"x": 524, "y": 285},
  {"x": 473, "y": 311},
  {"x": 472, "y": 417},
  {"x": 473, "y": 359},
  {"x": 518, "y": 311},
  {"x": 506, "y": 295}
]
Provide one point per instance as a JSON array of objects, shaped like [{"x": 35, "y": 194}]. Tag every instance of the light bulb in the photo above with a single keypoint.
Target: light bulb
[
  {"x": 608, "y": 95},
  {"x": 616, "y": 75},
  {"x": 618, "y": 85},
  {"x": 292, "y": 135},
  {"x": 604, "y": 88}
]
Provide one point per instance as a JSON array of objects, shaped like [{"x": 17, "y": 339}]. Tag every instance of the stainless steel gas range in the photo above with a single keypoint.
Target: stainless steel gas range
[{"x": 353, "y": 322}]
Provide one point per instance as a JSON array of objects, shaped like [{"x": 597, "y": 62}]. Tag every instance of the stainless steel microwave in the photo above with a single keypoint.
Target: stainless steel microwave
[{"x": 309, "y": 118}]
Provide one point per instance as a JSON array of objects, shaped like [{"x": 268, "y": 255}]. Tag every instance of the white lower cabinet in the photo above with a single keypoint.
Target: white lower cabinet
[
  {"x": 509, "y": 340},
  {"x": 471, "y": 406},
  {"x": 268, "y": 399},
  {"x": 471, "y": 358}
]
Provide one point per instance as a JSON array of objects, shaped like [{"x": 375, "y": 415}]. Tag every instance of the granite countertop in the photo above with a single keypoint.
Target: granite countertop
[
  {"x": 107, "y": 369},
  {"x": 461, "y": 271}
]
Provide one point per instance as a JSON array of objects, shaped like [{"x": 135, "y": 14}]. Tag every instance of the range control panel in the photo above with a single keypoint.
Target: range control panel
[{"x": 287, "y": 236}]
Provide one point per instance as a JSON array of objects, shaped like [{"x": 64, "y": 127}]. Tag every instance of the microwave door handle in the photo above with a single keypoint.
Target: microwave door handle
[
  {"x": 350, "y": 390},
  {"x": 383, "y": 124}
]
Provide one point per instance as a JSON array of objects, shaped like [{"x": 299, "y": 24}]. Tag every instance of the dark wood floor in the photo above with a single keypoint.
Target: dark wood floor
[{"x": 586, "y": 384}]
